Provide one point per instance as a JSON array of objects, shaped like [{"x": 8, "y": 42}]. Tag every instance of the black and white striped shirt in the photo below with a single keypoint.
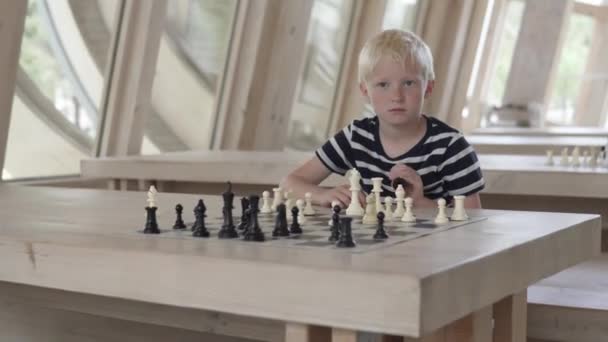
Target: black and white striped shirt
[{"x": 443, "y": 158}]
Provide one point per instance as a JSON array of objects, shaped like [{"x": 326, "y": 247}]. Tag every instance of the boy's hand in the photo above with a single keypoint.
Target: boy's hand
[
  {"x": 340, "y": 193},
  {"x": 415, "y": 189}
]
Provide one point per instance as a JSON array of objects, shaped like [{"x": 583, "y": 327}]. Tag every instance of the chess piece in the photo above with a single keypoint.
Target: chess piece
[
  {"x": 346, "y": 237},
  {"x": 244, "y": 215},
  {"x": 266, "y": 206},
  {"x": 179, "y": 222},
  {"x": 388, "y": 208},
  {"x": 333, "y": 204},
  {"x": 408, "y": 216},
  {"x": 575, "y": 159},
  {"x": 280, "y": 223},
  {"x": 354, "y": 208},
  {"x": 300, "y": 206},
  {"x": 380, "y": 233},
  {"x": 228, "y": 230},
  {"x": 441, "y": 217},
  {"x": 288, "y": 201},
  {"x": 549, "y": 161},
  {"x": 335, "y": 224},
  {"x": 397, "y": 182},
  {"x": 277, "y": 199},
  {"x": 585, "y": 158},
  {"x": 564, "y": 160},
  {"x": 254, "y": 232},
  {"x": 377, "y": 190},
  {"x": 295, "y": 225},
  {"x": 152, "y": 196},
  {"x": 370, "y": 210},
  {"x": 308, "y": 210},
  {"x": 459, "y": 214},
  {"x": 593, "y": 158},
  {"x": 199, "y": 229},
  {"x": 151, "y": 226},
  {"x": 399, "y": 199}
]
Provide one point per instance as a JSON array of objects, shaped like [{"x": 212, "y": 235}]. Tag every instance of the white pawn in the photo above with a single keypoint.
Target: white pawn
[
  {"x": 152, "y": 196},
  {"x": 549, "y": 158},
  {"x": 408, "y": 216},
  {"x": 288, "y": 200},
  {"x": 308, "y": 210},
  {"x": 277, "y": 199},
  {"x": 459, "y": 214},
  {"x": 441, "y": 217},
  {"x": 370, "y": 210},
  {"x": 266, "y": 206},
  {"x": 388, "y": 210},
  {"x": 400, "y": 196},
  {"x": 301, "y": 216},
  {"x": 564, "y": 161},
  {"x": 576, "y": 157}
]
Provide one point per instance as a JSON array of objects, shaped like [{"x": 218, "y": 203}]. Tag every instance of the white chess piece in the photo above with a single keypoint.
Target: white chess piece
[
  {"x": 441, "y": 217},
  {"x": 266, "y": 206},
  {"x": 377, "y": 190},
  {"x": 388, "y": 209},
  {"x": 564, "y": 161},
  {"x": 549, "y": 158},
  {"x": 308, "y": 210},
  {"x": 593, "y": 158},
  {"x": 370, "y": 210},
  {"x": 152, "y": 196},
  {"x": 459, "y": 214},
  {"x": 288, "y": 201},
  {"x": 408, "y": 216},
  {"x": 400, "y": 196},
  {"x": 354, "y": 208},
  {"x": 575, "y": 160},
  {"x": 301, "y": 217},
  {"x": 585, "y": 158},
  {"x": 277, "y": 199}
]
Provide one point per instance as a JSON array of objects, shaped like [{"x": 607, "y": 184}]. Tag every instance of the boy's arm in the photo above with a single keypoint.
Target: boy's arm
[
  {"x": 306, "y": 178},
  {"x": 472, "y": 201}
]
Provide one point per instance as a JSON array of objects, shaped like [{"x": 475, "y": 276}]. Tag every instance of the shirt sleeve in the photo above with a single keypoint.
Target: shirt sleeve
[
  {"x": 460, "y": 170},
  {"x": 336, "y": 153}
]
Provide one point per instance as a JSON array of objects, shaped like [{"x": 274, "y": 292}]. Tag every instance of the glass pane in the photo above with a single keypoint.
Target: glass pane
[
  {"x": 191, "y": 58},
  {"x": 571, "y": 67},
  {"x": 324, "y": 53},
  {"x": 400, "y": 14},
  {"x": 59, "y": 87}
]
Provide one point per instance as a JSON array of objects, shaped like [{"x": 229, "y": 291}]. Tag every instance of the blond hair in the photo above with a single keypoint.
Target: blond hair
[{"x": 403, "y": 46}]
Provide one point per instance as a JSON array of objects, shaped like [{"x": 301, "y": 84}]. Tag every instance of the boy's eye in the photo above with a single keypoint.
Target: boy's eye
[
  {"x": 382, "y": 84},
  {"x": 409, "y": 83}
]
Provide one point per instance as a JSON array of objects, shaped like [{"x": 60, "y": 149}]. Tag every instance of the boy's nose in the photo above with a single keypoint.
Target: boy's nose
[{"x": 398, "y": 95}]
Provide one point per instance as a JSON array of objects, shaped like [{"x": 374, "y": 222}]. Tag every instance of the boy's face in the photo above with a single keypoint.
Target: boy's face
[{"x": 396, "y": 92}]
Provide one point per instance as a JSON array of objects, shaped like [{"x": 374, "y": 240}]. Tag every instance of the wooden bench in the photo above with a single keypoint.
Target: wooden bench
[{"x": 571, "y": 306}]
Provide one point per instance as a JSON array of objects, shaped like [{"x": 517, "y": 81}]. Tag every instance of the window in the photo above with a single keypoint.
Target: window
[
  {"x": 400, "y": 14},
  {"x": 55, "y": 114},
  {"x": 191, "y": 59}
]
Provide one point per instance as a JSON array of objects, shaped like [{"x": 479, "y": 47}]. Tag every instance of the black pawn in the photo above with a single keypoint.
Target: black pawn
[
  {"x": 244, "y": 215},
  {"x": 280, "y": 223},
  {"x": 228, "y": 230},
  {"x": 199, "y": 225},
  {"x": 380, "y": 232},
  {"x": 179, "y": 222},
  {"x": 151, "y": 225},
  {"x": 295, "y": 225},
  {"x": 335, "y": 224},
  {"x": 254, "y": 232},
  {"x": 346, "y": 238}
]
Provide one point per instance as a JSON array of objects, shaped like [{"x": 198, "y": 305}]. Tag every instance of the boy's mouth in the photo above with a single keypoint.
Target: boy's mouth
[{"x": 397, "y": 110}]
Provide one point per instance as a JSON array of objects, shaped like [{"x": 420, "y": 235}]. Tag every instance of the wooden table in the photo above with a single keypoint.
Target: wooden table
[
  {"x": 73, "y": 268},
  {"x": 532, "y": 145}
]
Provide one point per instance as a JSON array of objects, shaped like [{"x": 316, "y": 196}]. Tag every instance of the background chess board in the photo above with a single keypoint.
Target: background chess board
[{"x": 316, "y": 231}]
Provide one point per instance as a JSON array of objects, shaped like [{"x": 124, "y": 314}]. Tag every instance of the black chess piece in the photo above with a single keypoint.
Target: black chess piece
[
  {"x": 228, "y": 230},
  {"x": 244, "y": 215},
  {"x": 254, "y": 232},
  {"x": 295, "y": 225},
  {"x": 179, "y": 222},
  {"x": 335, "y": 224},
  {"x": 199, "y": 224},
  {"x": 380, "y": 232},
  {"x": 151, "y": 224},
  {"x": 280, "y": 223},
  {"x": 346, "y": 238},
  {"x": 400, "y": 181}
]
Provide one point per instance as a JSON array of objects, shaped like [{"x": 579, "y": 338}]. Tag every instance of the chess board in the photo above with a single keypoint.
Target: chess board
[{"x": 316, "y": 231}]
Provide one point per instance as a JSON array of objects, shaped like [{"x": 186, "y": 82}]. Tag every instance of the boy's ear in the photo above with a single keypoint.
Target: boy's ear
[
  {"x": 429, "y": 88},
  {"x": 363, "y": 88}
]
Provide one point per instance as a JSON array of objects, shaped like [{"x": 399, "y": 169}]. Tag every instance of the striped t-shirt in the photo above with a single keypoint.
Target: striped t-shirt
[{"x": 443, "y": 158}]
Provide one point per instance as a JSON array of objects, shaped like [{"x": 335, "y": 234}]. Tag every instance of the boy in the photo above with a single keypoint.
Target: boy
[{"x": 395, "y": 76}]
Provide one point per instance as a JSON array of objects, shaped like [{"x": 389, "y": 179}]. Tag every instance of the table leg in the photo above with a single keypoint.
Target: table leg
[
  {"x": 296, "y": 332},
  {"x": 510, "y": 318},
  {"x": 476, "y": 327}
]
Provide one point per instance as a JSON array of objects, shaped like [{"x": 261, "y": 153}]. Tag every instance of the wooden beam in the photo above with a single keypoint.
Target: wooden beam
[
  {"x": 12, "y": 21},
  {"x": 130, "y": 78}
]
